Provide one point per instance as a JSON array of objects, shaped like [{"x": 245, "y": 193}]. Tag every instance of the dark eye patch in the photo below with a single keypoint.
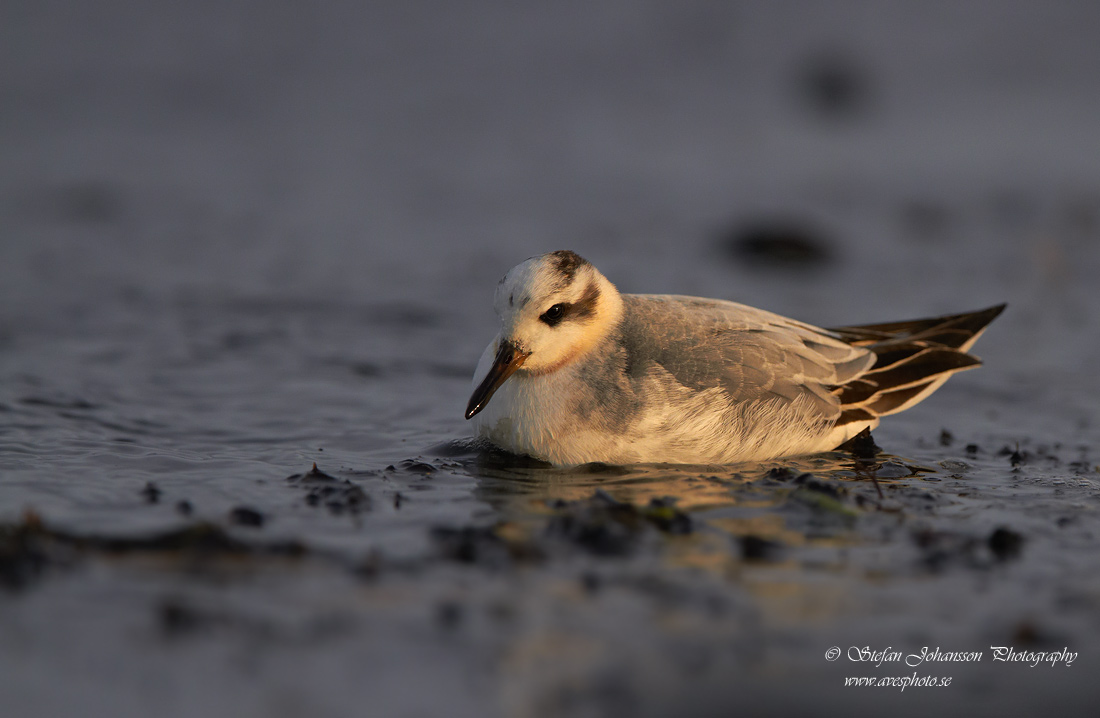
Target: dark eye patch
[{"x": 555, "y": 314}]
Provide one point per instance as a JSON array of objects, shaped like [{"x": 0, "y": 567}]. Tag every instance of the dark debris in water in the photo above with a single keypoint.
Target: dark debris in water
[
  {"x": 29, "y": 548},
  {"x": 490, "y": 546},
  {"x": 198, "y": 538},
  {"x": 246, "y": 516},
  {"x": 417, "y": 467},
  {"x": 826, "y": 498},
  {"x": 177, "y": 618},
  {"x": 781, "y": 473},
  {"x": 809, "y": 482},
  {"x": 1015, "y": 456},
  {"x": 1005, "y": 543},
  {"x": 862, "y": 446},
  {"x": 942, "y": 549},
  {"x": 829, "y": 501},
  {"x": 894, "y": 469},
  {"x": 313, "y": 476},
  {"x": 1083, "y": 467},
  {"x": 24, "y": 556},
  {"x": 604, "y": 526},
  {"x": 151, "y": 493},
  {"x": 344, "y": 497},
  {"x": 413, "y": 466},
  {"x": 755, "y": 548},
  {"x": 663, "y": 514},
  {"x": 339, "y": 496},
  {"x": 599, "y": 525},
  {"x": 180, "y": 617}
]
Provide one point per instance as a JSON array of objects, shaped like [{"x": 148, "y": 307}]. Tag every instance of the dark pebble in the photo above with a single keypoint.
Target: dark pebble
[
  {"x": 184, "y": 508},
  {"x": 973, "y": 448},
  {"x": 946, "y": 438}
]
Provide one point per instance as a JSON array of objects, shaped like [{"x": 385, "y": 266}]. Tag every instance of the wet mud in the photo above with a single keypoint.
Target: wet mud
[{"x": 246, "y": 267}]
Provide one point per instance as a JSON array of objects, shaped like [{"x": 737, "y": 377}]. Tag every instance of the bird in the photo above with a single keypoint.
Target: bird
[{"x": 580, "y": 373}]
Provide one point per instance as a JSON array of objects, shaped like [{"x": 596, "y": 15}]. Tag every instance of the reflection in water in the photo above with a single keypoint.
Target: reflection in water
[
  {"x": 775, "y": 528},
  {"x": 511, "y": 484}
]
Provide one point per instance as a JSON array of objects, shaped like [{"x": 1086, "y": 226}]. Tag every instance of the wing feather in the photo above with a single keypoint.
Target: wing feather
[{"x": 751, "y": 354}]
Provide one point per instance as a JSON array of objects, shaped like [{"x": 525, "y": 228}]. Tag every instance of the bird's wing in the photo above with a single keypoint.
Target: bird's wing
[{"x": 752, "y": 354}]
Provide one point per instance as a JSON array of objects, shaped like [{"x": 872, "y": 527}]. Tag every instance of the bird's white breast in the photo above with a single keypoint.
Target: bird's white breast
[{"x": 538, "y": 416}]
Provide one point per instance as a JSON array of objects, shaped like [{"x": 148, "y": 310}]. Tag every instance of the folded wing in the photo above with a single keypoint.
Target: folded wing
[{"x": 847, "y": 376}]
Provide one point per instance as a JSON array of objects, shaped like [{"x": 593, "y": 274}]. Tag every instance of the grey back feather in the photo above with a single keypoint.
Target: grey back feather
[{"x": 752, "y": 354}]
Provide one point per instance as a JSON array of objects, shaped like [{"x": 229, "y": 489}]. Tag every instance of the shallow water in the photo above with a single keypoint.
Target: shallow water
[{"x": 226, "y": 256}]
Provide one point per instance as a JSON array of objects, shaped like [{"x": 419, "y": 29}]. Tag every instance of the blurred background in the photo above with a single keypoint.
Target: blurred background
[
  {"x": 932, "y": 156},
  {"x": 233, "y": 232},
  {"x": 841, "y": 163}
]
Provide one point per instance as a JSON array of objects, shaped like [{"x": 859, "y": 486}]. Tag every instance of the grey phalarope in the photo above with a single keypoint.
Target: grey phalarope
[{"x": 581, "y": 373}]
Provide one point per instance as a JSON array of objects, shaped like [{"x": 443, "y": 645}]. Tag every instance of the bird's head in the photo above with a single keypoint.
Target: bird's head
[{"x": 553, "y": 309}]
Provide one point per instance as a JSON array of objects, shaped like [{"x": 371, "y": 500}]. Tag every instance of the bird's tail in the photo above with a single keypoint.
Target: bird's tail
[{"x": 912, "y": 360}]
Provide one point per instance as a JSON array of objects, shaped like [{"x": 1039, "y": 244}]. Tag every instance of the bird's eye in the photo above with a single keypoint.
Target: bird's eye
[{"x": 553, "y": 315}]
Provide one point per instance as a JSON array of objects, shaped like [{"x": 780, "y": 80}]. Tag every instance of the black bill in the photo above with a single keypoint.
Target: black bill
[{"x": 508, "y": 359}]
